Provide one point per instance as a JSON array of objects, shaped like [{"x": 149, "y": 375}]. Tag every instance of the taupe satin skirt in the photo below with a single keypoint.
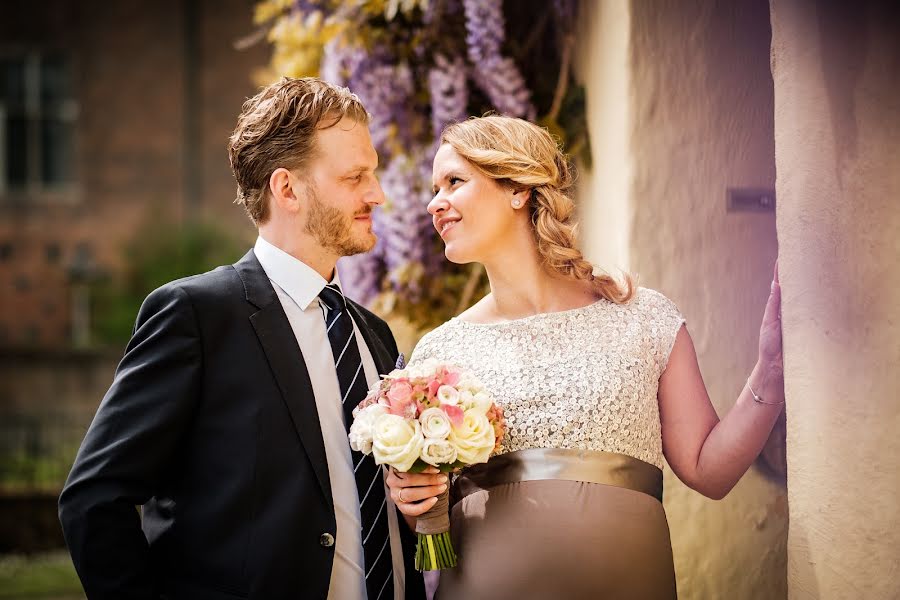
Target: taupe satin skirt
[{"x": 548, "y": 524}]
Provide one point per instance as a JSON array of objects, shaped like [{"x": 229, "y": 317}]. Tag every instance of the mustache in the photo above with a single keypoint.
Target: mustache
[{"x": 364, "y": 212}]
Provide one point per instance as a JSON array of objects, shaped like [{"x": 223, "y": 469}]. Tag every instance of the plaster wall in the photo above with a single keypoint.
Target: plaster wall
[{"x": 836, "y": 68}]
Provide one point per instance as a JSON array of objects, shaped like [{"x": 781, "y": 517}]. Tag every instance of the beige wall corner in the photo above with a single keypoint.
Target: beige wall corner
[
  {"x": 603, "y": 190},
  {"x": 695, "y": 99},
  {"x": 837, "y": 124}
]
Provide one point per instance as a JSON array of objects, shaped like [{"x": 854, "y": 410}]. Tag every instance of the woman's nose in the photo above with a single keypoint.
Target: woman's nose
[{"x": 438, "y": 205}]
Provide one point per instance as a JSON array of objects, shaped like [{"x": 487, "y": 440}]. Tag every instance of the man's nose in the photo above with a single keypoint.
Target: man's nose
[{"x": 376, "y": 194}]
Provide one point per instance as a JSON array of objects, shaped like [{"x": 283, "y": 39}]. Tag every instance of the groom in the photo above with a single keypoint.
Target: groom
[{"x": 227, "y": 418}]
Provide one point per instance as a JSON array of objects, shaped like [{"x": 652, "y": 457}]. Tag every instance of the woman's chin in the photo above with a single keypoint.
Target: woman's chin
[{"x": 455, "y": 255}]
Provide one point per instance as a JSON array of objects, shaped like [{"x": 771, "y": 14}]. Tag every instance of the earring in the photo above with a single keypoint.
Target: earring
[{"x": 517, "y": 203}]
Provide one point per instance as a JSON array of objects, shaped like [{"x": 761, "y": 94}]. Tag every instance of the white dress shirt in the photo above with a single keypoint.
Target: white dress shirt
[{"x": 298, "y": 286}]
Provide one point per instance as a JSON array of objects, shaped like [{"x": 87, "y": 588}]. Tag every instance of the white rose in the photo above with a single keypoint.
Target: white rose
[
  {"x": 447, "y": 394},
  {"x": 361, "y": 431},
  {"x": 397, "y": 441},
  {"x": 435, "y": 423},
  {"x": 474, "y": 438},
  {"x": 436, "y": 452},
  {"x": 466, "y": 399}
]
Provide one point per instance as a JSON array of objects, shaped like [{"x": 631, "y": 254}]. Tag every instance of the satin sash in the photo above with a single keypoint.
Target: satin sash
[{"x": 538, "y": 464}]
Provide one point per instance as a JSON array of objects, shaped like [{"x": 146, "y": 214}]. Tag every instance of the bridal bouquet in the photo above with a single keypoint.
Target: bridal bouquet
[{"x": 430, "y": 413}]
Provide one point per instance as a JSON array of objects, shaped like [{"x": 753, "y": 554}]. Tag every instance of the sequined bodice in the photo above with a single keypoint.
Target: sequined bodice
[{"x": 583, "y": 379}]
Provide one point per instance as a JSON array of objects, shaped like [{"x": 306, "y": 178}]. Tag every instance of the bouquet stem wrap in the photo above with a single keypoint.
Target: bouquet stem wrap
[{"x": 434, "y": 550}]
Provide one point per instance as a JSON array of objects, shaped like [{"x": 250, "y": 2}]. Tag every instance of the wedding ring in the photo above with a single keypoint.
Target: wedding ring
[{"x": 400, "y": 496}]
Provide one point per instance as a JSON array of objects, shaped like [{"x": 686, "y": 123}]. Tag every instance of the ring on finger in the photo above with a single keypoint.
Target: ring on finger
[{"x": 400, "y": 496}]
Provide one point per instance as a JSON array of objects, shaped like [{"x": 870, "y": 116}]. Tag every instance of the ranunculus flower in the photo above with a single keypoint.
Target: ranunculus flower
[
  {"x": 362, "y": 429},
  {"x": 397, "y": 441},
  {"x": 473, "y": 438},
  {"x": 482, "y": 402},
  {"x": 454, "y": 413},
  {"x": 436, "y": 452},
  {"x": 435, "y": 424},
  {"x": 448, "y": 376},
  {"x": 448, "y": 395}
]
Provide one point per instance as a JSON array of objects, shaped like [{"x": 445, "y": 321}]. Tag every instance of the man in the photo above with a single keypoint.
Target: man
[{"x": 227, "y": 418}]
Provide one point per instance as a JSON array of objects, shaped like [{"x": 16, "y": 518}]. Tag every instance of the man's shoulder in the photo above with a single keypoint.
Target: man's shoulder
[
  {"x": 210, "y": 282},
  {"x": 210, "y": 287}
]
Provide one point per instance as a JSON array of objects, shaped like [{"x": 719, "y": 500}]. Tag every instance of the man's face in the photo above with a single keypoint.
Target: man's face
[{"x": 341, "y": 189}]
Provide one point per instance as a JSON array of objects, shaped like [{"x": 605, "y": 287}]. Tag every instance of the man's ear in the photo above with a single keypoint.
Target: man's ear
[{"x": 281, "y": 185}]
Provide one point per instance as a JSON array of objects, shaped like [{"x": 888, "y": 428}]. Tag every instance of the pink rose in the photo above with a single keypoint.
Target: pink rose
[
  {"x": 433, "y": 386},
  {"x": 400, "y": 392},
  {"x": 400, "y": 398}
]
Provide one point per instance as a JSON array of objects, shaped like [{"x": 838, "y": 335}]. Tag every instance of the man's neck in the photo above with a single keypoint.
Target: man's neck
[{"x": 303, "y": 249}]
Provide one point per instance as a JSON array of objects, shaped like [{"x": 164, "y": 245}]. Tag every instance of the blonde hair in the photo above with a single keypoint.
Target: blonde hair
[
  {"x": 277, "y": 128},
  {"x": 520, "y": 155}
]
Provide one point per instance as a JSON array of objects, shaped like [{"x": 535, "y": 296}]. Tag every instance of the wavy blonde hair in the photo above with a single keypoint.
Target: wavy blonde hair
[{"x": 520, "y": 155}]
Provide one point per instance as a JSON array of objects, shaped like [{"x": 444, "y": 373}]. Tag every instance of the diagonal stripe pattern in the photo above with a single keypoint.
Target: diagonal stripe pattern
[{"x": 369, "y": 483}]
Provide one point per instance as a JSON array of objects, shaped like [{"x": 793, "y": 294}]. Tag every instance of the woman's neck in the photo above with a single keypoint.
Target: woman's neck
[{"x": 522, "y": 286}]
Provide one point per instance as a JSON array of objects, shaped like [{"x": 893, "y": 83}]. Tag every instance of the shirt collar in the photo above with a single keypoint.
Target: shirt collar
[{"x": 298, "y": 280}]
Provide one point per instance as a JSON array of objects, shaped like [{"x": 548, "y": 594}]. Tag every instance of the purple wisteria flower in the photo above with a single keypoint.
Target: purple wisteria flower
[
  {"x": 497, "y": 76},
  {"x": 340, "y": 60},
  {"x": 449, "y": 93},
  {"x": 406, "y": 230},
  {"x": 361, "y": 276},
  {"x": 385, "y": 90},
  {"x": 485, "y": 29},
  {"x": 502, "y": 82}
]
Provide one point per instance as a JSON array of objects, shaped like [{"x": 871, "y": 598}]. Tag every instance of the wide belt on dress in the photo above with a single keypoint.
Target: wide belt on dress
[{"x": 538, "y": 464}]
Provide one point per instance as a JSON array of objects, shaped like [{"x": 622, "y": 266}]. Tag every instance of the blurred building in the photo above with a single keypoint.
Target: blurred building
[{"x": 112, "y": 115}]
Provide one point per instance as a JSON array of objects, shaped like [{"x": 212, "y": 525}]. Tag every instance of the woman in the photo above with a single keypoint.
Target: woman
[{"x": 599, "y": 381}]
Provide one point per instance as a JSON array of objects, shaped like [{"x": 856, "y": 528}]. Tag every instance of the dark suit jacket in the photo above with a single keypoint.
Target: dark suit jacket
[{"x": 211, "y": 425}]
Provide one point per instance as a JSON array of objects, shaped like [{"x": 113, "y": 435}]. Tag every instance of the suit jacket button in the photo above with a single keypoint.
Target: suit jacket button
[{"x": 326, "y": 540}]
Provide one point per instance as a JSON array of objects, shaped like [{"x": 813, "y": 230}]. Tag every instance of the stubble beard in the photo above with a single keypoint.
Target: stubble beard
[{"x": 333, "y": 229}]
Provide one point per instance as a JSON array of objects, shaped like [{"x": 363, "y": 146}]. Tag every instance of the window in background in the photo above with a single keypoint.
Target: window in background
[{"x": 37, "y": 123}]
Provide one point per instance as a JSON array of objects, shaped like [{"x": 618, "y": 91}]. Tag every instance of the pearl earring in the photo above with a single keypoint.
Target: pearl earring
[{"x": 517, "y": 203}]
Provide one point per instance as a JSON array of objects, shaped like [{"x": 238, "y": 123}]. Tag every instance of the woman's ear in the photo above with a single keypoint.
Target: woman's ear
[{"x": 520, "y": 198}]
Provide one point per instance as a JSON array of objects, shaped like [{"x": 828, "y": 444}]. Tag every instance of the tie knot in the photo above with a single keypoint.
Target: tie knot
[{"x": 332, "y": 297}]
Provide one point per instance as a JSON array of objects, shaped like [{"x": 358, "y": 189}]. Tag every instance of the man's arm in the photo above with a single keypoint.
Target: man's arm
[{"x": 128, "y": 448}]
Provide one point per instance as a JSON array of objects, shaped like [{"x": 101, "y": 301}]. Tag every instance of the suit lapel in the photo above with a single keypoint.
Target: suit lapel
[
  {"x": 286, "y": 361},
  {"x": 383, "y": 360}
]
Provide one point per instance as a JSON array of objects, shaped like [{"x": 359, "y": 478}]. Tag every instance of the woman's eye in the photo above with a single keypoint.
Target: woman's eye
[{"x": 454, "y": 180}]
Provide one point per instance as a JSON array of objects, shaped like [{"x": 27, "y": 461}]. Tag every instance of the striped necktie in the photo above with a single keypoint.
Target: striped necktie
[{"x": 369, "y": 482}]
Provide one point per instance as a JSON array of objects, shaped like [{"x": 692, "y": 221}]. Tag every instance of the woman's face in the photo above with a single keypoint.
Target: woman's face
[{"x": 471, "y": 212}]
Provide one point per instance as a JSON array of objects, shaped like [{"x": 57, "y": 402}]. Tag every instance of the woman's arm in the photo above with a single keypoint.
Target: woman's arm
[{"x": 707, "y": 454}]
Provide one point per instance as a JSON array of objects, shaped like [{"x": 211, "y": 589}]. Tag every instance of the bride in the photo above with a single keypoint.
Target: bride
[{"x": 599, "y": 381}]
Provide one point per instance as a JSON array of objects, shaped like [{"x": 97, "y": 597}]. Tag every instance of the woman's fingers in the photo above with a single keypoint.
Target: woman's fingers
[
  {"x": 415, "y": 493},
  {"x": 416, "y": 509}
]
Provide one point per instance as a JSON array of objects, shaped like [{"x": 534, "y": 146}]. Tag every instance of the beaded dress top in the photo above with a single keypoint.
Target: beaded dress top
[{"x": 582, "y": 379}]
